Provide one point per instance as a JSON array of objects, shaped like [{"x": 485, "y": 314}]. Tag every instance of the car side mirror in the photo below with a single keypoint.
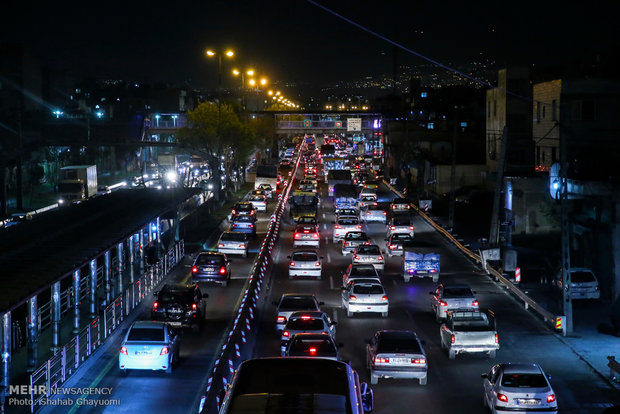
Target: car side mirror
[{"x": 321, "y": 303}]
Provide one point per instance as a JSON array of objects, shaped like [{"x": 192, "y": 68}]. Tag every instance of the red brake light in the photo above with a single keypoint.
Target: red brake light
[
  {"x": 452, "y": 339},
  {"x": 234, "y": 211},
  {"x": 474, "y": 303},
  {"x": 368, "y": 213},
  {"x": 442, "y": 303},
  {"x": 356, "y": 257},
  {"x": 306, "y": 231},
  {"x": 296, "y": 235},
  {"x": 317, "y": 264},
  {"x": 312, "y": 351},
  {"x": 242, "y": 245},
  {"x": 393, "y": 227},
  {"x": 285, "y": 333},
  {"x": 380, "y": 258},
  {"x": 155, "y": 305},
  {"x": 550, "y": 398},
  {"x": 385, "y": 213},
  {"x": 220, "y": 245},
  {"x": 384, "y": 298},
  {"x": 251, "y": 225},
  {"x": 194, "y": 306},
  {"x": 292, "y": 264},
  {"x": 359, "y": 226},
  {"x": 281, "y": 319},
  {"x": 305, "y": 318},
  {"x": 379, "y": 360},
  {"x": 164, "y": 351},
  {"x": 194, "y": 269},
  {"x": 418, "y": 361},
  {"x": 337, "y": 226},
  {"x": 352, "y": 297},
  {"x": 222, "y": 270},
  {"x": 392, "y": 246},
  {"x": 123, "y": 350},
  {"x": 502, "y": 397},
  {"x": 252, "y": 212},
  {"x": 411, "y": 227},
  {"x": 315, "y": 235},
  {"x": 496, "y": 339}
]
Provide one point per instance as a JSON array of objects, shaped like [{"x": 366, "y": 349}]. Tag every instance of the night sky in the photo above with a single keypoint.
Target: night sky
[{"x": 295, "y": 40}]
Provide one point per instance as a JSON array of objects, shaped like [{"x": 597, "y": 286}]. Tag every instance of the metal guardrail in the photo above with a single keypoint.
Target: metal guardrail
[
  {"x": 237, "y": 345},
  {"x": 528, "y": 302},
  {"x": 68, "y": 359}
]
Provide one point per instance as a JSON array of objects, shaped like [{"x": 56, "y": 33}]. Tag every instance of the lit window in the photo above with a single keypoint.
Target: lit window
[
  {"x": 423, "y": 95},
  {"x": 430, "y": 125}
]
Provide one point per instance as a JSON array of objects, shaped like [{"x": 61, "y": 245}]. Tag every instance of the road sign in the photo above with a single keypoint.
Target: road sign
[
  {"x": 518, "y": 275},
  {"x": 307, "y": 123},
  {"x": 338, "y": 124},
  {"x": 354, "y": 124}
]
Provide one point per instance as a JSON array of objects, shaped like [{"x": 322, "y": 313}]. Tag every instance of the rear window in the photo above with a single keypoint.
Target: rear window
[
  {"x": 356, "y": 235},
  {"x": 305, "y": 324},
  {"x": 348, "y": 222},
  {"x": 368, "y": 250},
  {"x": 457, "y": 292},
  {"x": 398, "y": 343},
  {"x": 401, "y": 222},
  {"x": 369, "y": 198},
  {"x": 401, "y": 237},
  {"x": 243, "y": 219},
  {"x": 257, "y": 198},
  {"x": 304, "y": 347},
  {"x": 363, "y": 271},
  {"x": 210, "y": 259},
  {"x": 146, "y": 334},
  {"x": 582, "y": 277},
  {"x": 233, "y": 237},
  {"x": 297, "y": 303},
  {"x": 179, "y": 297},
  {"x": 367, "y": 289},
  {"x": 243, "y": 207},
  {"x": 306, "y": 229},
  {"x": 305, "y": 257},
  {"x": 524, "y": 380}
]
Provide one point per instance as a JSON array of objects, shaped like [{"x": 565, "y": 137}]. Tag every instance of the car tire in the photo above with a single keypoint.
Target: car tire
[
  {"x": 195, "y": 327},
  {"x": 169, "y": 369},
  {"x": 374, "y": 380},
  {"x": 384, "y": 314},
  {"x": 349, "y": 313},
  {"x": 435, "y": 279},
  {"x": 225, "y": 283},
  {"x": 244, "y": 255},
  {"x": 123, "y": 372},
  {"x": 423, "y": 380},
  {"x": 407, "y": 278},
  {"x": 492, "y": 354},
  {"x": 451, "y": 353}
]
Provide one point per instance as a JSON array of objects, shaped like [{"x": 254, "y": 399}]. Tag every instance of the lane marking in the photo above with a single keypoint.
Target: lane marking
[
  {"x": 326, "y": 239},
  {"x": 324, "y": 226},
  {"x": 323, "y": 216},
  {"x": 331, "y": 282},
  {"x": 329, "y": 258},
  {"x": 334, "y": 315}
]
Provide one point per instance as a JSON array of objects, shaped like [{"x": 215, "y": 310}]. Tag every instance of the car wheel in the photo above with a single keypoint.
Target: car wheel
[
  {"x": 196, "y": 328},
  {"x": 373, "y": 378},
  {"x": 423, "y": 380},
  {"x": 451, "y": 353},
  {"x": 435, "y": 279},
  {"x": 123, "y": 372},
  {"x": 244, "y": 255},
  {"x": 169, "y": 369},
  {"x": 384, "y": 314},
  {"x": 349, "y": 313},
  {"x": 492, "y": 354},
  {"x": 225, "y": 283},
  {"x": 407, "y": 278}
]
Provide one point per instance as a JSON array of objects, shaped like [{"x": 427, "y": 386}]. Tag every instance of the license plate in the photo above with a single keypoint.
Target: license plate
[
  {"x": 140, "y": 353},
  {"x": 422, "y": 272},
  {"x": 528, "y": 401},
  {"x": 175, "y": 323},
  {"x": 401, "y": 360}
]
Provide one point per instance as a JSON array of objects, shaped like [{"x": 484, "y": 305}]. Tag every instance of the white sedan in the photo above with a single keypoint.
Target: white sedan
[
  {"x": 149, "y": 345},
  {"x": 365, "y": 297},
  {"x": 259, "y": 202},
  {"x": 305, "y": 263},
  {"x": 369, "y": 254}
]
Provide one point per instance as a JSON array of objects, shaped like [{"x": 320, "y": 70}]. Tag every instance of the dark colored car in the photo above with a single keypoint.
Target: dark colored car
[
  {"x": 180, "y": 305},
  {"x": 244, "y": 208},
  {"x": 211, "y": 267}
]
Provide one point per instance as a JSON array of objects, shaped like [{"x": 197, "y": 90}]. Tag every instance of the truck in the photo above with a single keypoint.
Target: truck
[
  {"x": 333, "y": 163},
  {"x": 420, "y": 264},
  {"x": 76, "y": 183},
  {"x": 266, "y": 174},
  {"x": 303, "y": 204},
  {"x": 469, "y": 330},
  {"x": 338, "y": 177},
  {"x": 345, "y": 196}
]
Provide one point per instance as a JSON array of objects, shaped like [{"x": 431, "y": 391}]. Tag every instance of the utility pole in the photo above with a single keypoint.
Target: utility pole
[
  {"x": 453, "y": 168},
  {"x": 499, "y": 183},
  {"x": 567, "y": 303}
]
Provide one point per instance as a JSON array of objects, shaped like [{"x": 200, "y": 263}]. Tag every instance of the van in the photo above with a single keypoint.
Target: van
[{"x": 279, "y": 385}]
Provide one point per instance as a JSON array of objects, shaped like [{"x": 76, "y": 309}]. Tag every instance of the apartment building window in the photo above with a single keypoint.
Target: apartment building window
[
  {"x": 494, "y": 108},
  {"x": 538, "y": 112},
  {"x": 544, "y": 107},
  {"x": 554, "y": 110},
  {"x": 537, "y": 155},
  {"x": 489, "y": 110},
  {"x": 554, "y": 157},
  {"x": 583, "y": 111}
]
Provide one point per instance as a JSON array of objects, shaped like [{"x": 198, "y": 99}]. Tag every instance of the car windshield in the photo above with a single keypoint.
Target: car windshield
[
  {"x": 305, "y": 257},
  {"x": 524, "y": 380},
  {"x": 457, "y": 292},
  {"x": 367, "y": 289},
  {"x": 146, "y": 334},
  {"x": 373, "y": 250},
  {"x": 291, "y": 303},
  {"x": 312, "y": 347},
  {"x": 210, "y": 259},
  {"x": 398, "y": 343},
  {"x": 299, "y": 324},
  {"x": 582, "y": 277},
  {"x": 233, "y": 236},
  {"x": 356, "y": 235},
  {"x": 363, "y": 271}
]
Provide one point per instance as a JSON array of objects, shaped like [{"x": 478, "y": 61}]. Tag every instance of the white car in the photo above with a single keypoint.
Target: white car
[
  {"x": 369, "y": 254},
  {"x": 400, "y": 225},
  {"x": 374, "y": 214},
  {"x": 452, "y": 296},
  {"x": 306, "y": 235},
  {"x": 344, "y": 225},
  {"x": 360, "y": 296},
  {"x": 518, "y": 388},
  {"x": 305, "y": 263},
  {"x": 396, "y": 354},
  {"x": 306, "y": 322},
  {"x": 233, "y": 242},
  {"x": 259, "y": 202},
  {"x": 583, "y": 283},
  {"x": 149, "y": 345}
]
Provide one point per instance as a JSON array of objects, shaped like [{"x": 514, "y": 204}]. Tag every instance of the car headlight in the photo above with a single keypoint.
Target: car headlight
[{"x": 171, "y": 176}]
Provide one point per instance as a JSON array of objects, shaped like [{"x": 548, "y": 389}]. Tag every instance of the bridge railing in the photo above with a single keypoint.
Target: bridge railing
[
  {"x": 56, "y": 370},
  {"x": 366, "y": 124}
]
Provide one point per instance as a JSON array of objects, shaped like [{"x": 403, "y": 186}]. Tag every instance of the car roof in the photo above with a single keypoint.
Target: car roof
[
  {"x": 455, "y": 285},
  {"x": 211, "y": 253},
  {"x": 148, "y": 324},
  {"x": 521, "y": 368},
  {"x": 312, "y": 314},
  {"x": 177, "y": 288},
  {"x": 397, "y": 334},
  {"x": 297, "y": 295}
]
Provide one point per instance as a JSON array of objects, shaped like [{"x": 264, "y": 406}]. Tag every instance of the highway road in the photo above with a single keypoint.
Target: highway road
[{"x": 454, "y": 386}]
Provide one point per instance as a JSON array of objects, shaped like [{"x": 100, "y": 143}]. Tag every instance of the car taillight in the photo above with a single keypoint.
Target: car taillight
[
  {"x": 194, "y": 269},
  {"x": 384, "y": 298},
  {"x": 317, "y": 264},
  {"x": 312, "y": 351},
  {"x": 296, "y": 235},
  {"x": 242, "y": 245},
  {"x": 502, "y": 397},
  {"x": 337, "y": 226},
  {"x": 442, "y": 303},
  {"x": 252, "y": 212},
  {"x": 496, "y": 339},
  {"x": 392, "y": 207},
  {"x": 281, "y": 319},
  {"x": 380, "y": 258},
  {"x": 392, "y": 227},
  {"x": 315, "y": 235},
  {"x": 452, "y": 339},
  {"x": 418, "y": 361},
  {"x": 164, "y": 351},
  {"x": 411, "y": 227},
  {"x": 356, "y": 257},
  {"x": 306, "y": 231},
  {"x": 194, "y": 306},
  {"x": 285, "y": 333},
  {"x": 368, "y": 213},
  {"x": 155, "y": 305},
  {"x": 123, "y": 350},
  {"x": 220, "y": 245},
  {"x": 251, "y": 225},
  {"x": 550, "y": 398},
  {"x": 359, "y": 226},
  {"x": 392, "y": 246},
  {"x": 379, "y": 360},
  {"x": 234, "y": 211},
  {"x": 352, "y": 297},
  {"x": 222, "y": 270},
  {"x": 292, "y": 264},
  {"x": 385, "y": 213},
  {"x": 474, "y": 303}
]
